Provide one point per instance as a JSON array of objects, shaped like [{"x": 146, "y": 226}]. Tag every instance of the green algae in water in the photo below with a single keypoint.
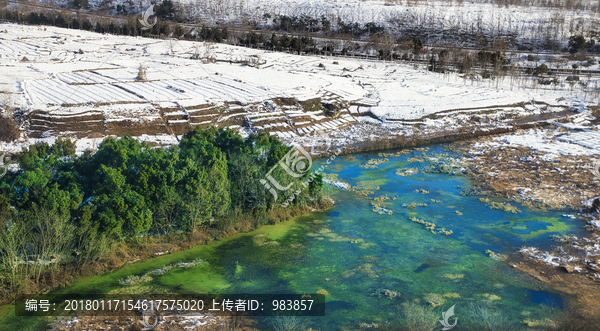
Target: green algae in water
[
  {"x": 238, "y": 270},
  {"x": 528, "y": 228}
]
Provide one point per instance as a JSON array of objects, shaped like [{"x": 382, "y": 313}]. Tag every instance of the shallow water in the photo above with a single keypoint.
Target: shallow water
[{"x": 350, "y": 251}]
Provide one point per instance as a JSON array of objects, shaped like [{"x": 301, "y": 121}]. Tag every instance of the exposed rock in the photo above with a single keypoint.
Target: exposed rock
[
  {"x": 568, "y": 268},
  {"x": 596, "y": 206},
  {"x": 496, "y": 256}
]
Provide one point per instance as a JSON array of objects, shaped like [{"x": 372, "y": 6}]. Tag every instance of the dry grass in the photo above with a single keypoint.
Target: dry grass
[{"x": 9, "y": 129}]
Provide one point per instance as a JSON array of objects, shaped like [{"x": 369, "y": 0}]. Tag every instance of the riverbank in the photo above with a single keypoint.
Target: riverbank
[
  {"x": 141, "y": 255},
  {"x": 372, "y": 133},
  {"x": 148, "y": 247},
  {"x": 549, "y": 168}
]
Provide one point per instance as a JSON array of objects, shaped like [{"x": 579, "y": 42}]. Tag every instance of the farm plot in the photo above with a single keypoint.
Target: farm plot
[
  {"x": 9, "y": 47},
  {"x": 200, "y": 90},
  {"x": 241, "y": 91},
  {"x": 84, "y": 77},
  {"x": 57, "y": 92},
  {"x": 589, "y": 139}
]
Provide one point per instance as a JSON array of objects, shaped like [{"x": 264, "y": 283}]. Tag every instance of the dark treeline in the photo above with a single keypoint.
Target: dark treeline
[
  {"x": 343, "y": 38},
  {"x": 305, "y": 23},
  {"x": 118, "y": 26},
  {"x": 370, "y": 38},
  {"x": 561, "y": 4},
  {"x": 545, "y": 33},
  {"x": 58, "y": 210}
]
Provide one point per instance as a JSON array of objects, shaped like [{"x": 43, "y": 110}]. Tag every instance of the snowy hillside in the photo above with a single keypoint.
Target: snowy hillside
[
  {"x": 438, "y": 20},
  {"x": 83, "y": 84}
]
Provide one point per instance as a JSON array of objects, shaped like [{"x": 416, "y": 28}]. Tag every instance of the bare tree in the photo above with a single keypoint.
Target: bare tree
[
  {"x": 14, "y": 239},
  {"x": 142, "y": 73},
  {"x": 209, "y": 56},
  {"x": 7, "y": 100},
  {"x": 51, "y": 240}
]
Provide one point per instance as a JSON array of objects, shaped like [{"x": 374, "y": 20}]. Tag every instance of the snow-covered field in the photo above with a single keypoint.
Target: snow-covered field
[
  {"x": 83, "y": 84},
  {"x": 582, "y": 143}
]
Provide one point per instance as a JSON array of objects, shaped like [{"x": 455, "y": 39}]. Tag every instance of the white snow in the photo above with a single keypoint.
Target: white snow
[{"x": 539, "y": 140}]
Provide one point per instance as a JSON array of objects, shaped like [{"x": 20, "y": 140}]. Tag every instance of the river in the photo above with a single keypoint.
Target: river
[{"x": 354, "y": 253}]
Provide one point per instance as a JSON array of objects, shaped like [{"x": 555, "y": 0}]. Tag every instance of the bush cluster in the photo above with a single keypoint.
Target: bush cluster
[{"x": 57, "y": 206}]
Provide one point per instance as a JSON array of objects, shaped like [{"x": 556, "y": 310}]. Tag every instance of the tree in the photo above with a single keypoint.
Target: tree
[
  {"x": 14, "y": 239},
  {"x": 80, "y": 4},
  {"x": 179, "y": 31},
  {"x": 417, "y": 46},
  {"x": 197, "y": 146},
  {"x": 276, "y": 153},
  {"x": 316, "y": 185},
  {"x": 64, "y": 147},
  {"x": 197, "y": 203},
  {"x": 298, "y": 45},
  {"x": 541, "y": 70},
  {"x": 142, "y": 73},
  {"x": 121, "y": 210},
  {"x": 325, "y": 23},
  {"x": 576, "y": 44},
  {"x": 166, "y": 9},
  {"x": 169, "y": 209},
  {"x": 266, "y": 17},
  {"x": 274, "y": 43}
]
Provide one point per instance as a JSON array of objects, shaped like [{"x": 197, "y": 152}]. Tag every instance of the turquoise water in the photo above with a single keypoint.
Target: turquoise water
[{"x": 350, "y": 251}]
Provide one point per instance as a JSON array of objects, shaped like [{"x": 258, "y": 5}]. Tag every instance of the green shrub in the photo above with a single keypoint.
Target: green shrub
[
  {"x": 312, "y": 104},
  {"x": 542, "y": 69},
  {"x": 482, "y": 318},
  {"x": 415, "y": 317},
  {"x": 287, "y": 323}
]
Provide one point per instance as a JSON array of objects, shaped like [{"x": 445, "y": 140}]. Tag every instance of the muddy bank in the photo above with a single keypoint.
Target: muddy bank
[{"x": 583, "y": 292}]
